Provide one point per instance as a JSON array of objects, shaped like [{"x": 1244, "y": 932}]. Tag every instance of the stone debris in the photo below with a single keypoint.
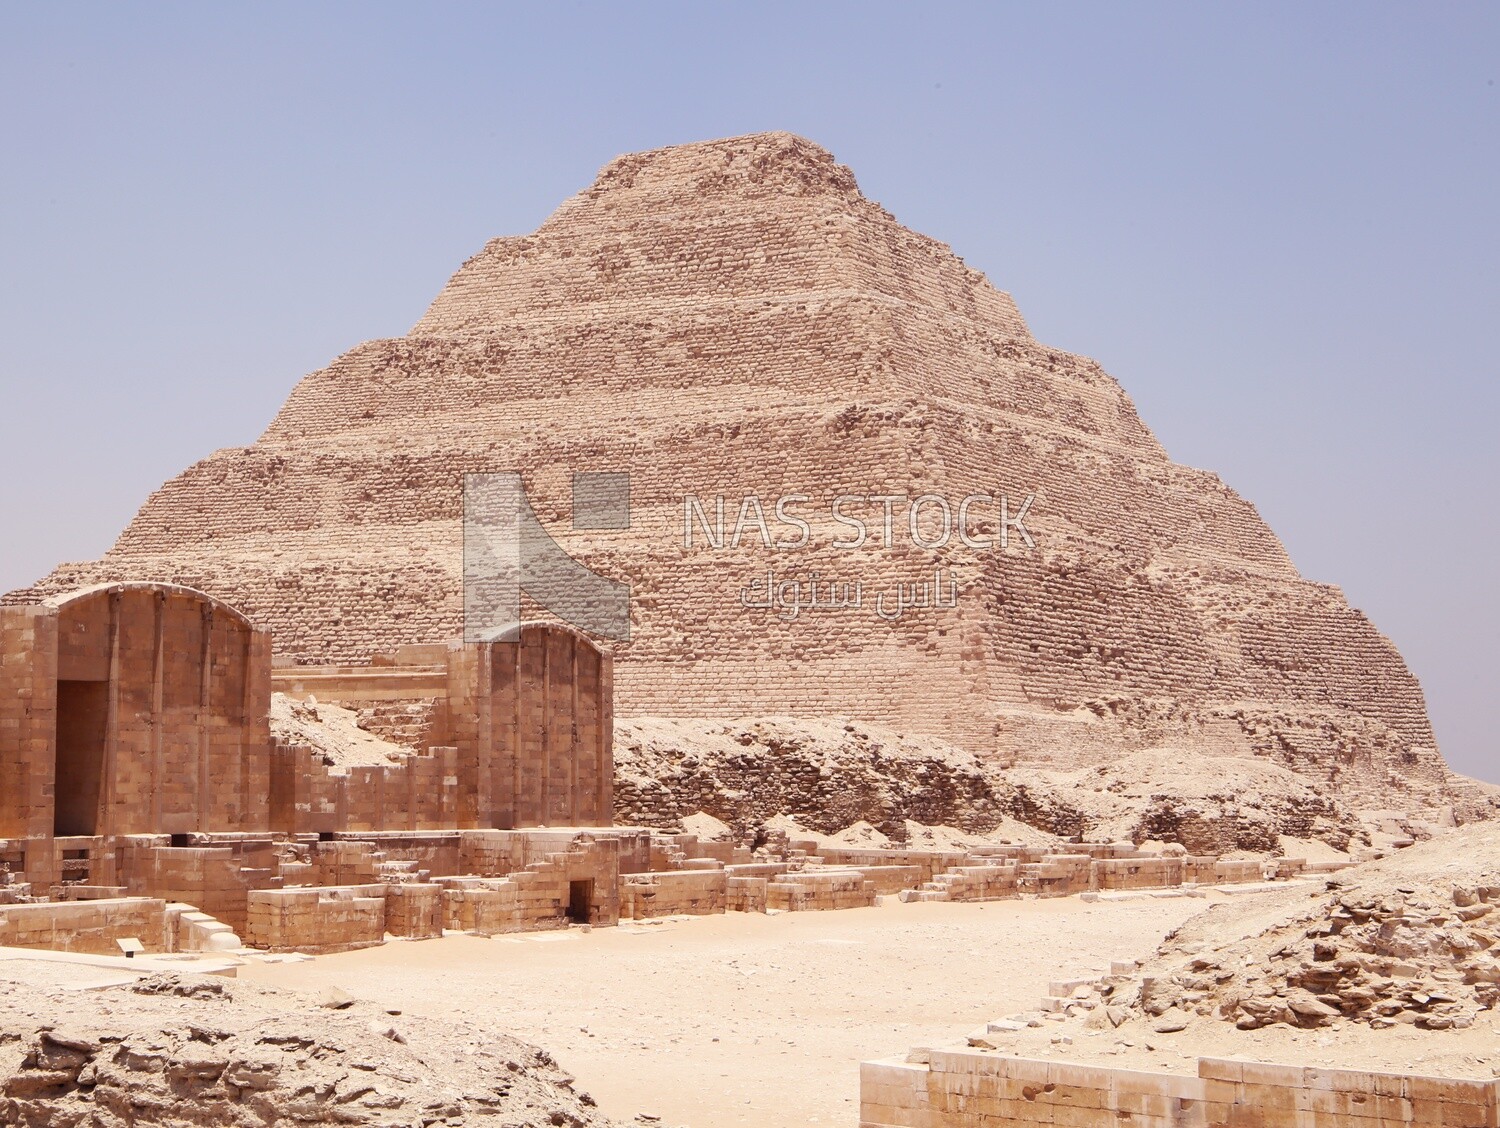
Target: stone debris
[
  {"x": 334, "y": 734},
  {"x": 849, "y": 780}
]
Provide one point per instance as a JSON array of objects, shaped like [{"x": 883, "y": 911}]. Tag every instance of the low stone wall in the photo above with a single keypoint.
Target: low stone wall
[
  {"x": 967, "y": 1089},
  {"x": 1229, "y": 870},
  {"x": 524, "y": 902},
  {"x": 746, "y": 895},
  {"x": 330, "y": 919},
  {"x": 993, "y": 873},
  {"x": 759, "y": 869},
  {"x": 435, "y": 851},
  {"x": 485, "y": 906},
  {"x": 1135, "y": 873},
  {"x": 1056, "y": 875},
  {"x": 970, "y": 883},
  {"x": 929, "y": 863},
  {"x": 890, "y": 879},
  {"x": 496, "y": 853},
  {"x": 414, "y": 912},
  {"x": 215, "y": 879},
  {"x": 820, "y": 890},
  {"x": 307, "y": 796},
  {"x": 683, "y": 892},
  {"x": 86, "y": 926}
]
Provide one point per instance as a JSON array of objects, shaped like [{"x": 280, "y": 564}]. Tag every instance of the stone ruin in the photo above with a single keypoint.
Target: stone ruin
[
  {"x": 144, "y": 797},
  {"x": 138, "y": 762},
  {"x": 723, "y": 321}
]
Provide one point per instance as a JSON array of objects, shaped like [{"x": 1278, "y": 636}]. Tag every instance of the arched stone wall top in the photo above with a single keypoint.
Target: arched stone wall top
[
  {"x": 514, "y": 632},
  {"x": 94, "y": 591}
]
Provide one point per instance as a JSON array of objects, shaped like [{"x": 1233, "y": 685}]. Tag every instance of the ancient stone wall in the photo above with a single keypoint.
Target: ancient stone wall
[
  {"x": 214, "y": 879},
  {"x": 28, "y": 720},
  {"x": 85, "y": 926},
  {"x": 685, "y": 892},
  {"x": 533, "y": 725},
  {"x": 327, "y": 919},
  {"x": 525, "y": 729},
  {"x": 958, "y": 1089},
  {"x": 414, "y": 912}
]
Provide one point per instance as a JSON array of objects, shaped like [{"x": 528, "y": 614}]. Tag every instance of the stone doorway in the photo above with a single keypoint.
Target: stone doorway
[
  {"x": 82, "y": 729},
  {"x": 580, "y": 901}
]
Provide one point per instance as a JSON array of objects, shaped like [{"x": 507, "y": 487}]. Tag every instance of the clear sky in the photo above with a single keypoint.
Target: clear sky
[{"x": 1275, "y": 224}]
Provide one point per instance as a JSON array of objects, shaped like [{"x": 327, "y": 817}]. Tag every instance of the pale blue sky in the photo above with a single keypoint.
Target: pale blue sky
[{"x": 1276, "y": 225}]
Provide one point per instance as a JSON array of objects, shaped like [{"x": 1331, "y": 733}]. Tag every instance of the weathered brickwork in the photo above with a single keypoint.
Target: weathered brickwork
[
  {"x": 414, "y": 912},
  {"x": 521, "y": 734},
  {"x": 329, "y": 919},
  {"x": 819, "y": 890},
  {"x": 143, "y": 709},
  {"x": 685, "y": 893},
  {"x": 215, "y": 879}
]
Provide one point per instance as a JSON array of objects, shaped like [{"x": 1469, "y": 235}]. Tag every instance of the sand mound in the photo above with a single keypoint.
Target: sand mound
[
  {"x": 200, "y": 1051},
  {"x": 332, "y": 732},
  {"x": 861, "y": 834},
  {"x": 1008, "y": 831},
  {"x": 706, "y": 828}
]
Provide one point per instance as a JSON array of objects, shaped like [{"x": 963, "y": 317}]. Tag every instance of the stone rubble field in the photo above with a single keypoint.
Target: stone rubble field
[{"x": 191, "y": 1051}]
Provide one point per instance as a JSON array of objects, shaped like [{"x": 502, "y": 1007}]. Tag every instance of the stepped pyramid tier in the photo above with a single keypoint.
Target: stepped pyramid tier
[{"x": 733, "y": 320}]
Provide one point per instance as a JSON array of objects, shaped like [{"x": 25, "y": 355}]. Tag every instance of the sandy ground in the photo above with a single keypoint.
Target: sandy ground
[{"x": 748, "y": 1020}]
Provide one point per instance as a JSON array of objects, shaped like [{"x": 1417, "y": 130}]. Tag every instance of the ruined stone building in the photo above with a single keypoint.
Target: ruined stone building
[{"x": 137, "y": 759}]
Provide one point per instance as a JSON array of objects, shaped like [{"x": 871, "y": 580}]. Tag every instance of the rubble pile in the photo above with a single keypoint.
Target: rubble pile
[
  {"x": 1211, "y": 805},
  {"x": 1411, "y": 939},
  {"x": 825, "y": 775},
  {"x": 186, "y": 1052},
  {"x": 335, "y": 734},
  {"x": 830, "y": 775}
]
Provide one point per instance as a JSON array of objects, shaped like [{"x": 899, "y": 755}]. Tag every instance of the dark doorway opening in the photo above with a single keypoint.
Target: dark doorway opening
[
  {"x": 82, "y": 727},
  {"x": 580, "y": 898}
]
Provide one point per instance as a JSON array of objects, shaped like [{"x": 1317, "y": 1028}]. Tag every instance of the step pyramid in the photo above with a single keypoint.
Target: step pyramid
[{"x": 733, "y": 320}]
